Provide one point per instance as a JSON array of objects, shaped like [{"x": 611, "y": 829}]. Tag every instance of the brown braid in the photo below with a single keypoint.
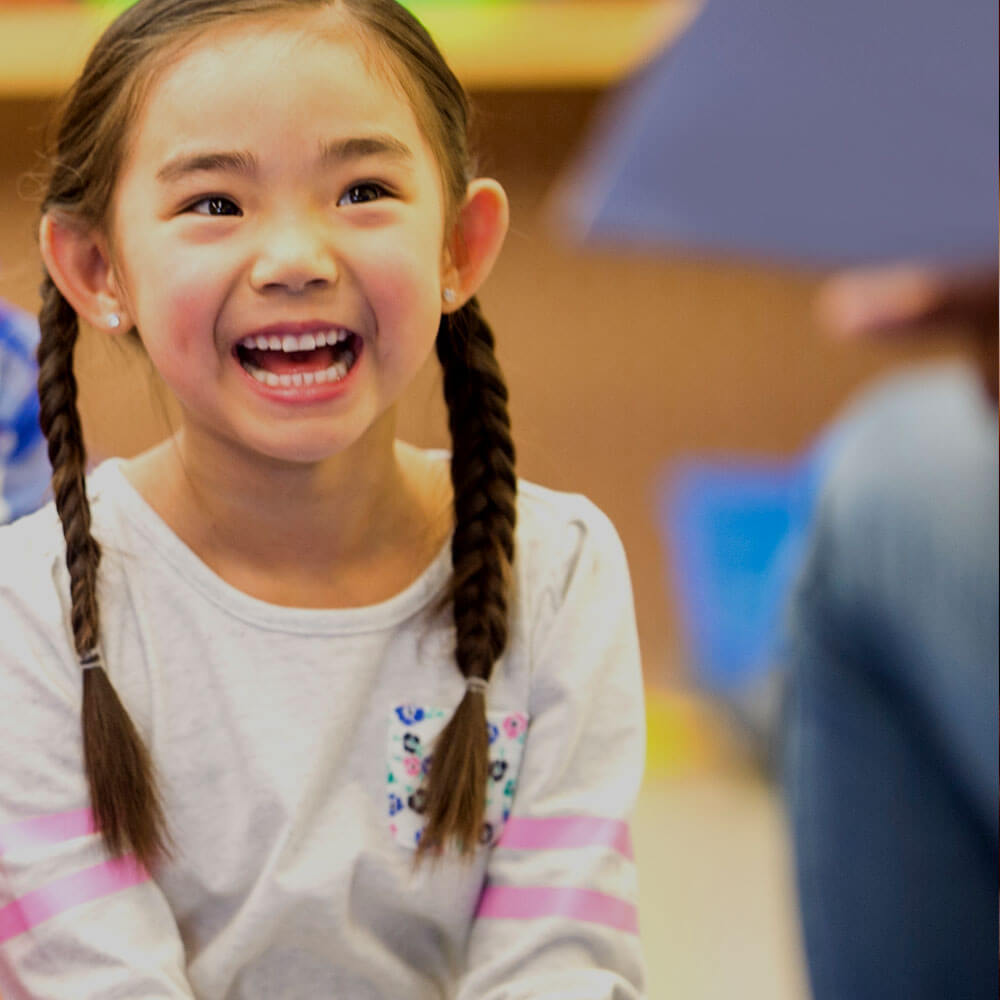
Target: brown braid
[
  {"x": 485, "y": 488},
  {"x": 122, "y": 790}
]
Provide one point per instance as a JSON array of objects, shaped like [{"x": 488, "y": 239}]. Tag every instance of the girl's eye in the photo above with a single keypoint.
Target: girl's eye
[
  {"x": 358, "y": 194},
  {"x": 215, "y": 205}
]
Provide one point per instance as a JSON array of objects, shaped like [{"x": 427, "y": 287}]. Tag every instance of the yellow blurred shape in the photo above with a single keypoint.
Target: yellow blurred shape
[{"x": 685, "y": 732}]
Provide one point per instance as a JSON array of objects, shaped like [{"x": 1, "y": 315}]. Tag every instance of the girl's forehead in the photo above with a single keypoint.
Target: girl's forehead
[
  {"x": 231, "y": 72},
  {"x": 291, "y": 26}
]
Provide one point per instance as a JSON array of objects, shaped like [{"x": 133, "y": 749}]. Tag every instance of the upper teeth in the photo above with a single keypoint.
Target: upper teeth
[{"x": 289, "y": 342}]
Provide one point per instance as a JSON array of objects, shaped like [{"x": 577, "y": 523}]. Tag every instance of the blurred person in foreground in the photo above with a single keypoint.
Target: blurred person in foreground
[
  {"x": 24, "y": 465},
  {"x": 831, "y": 135},
  {"x": 891, "y": 748}
]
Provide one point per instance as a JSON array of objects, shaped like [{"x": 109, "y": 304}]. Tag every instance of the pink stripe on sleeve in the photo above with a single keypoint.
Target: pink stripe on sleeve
[
  {"x": 525, "y": 833},
  {"x": 65, "y": 893},
  {"x": 46, "y": 829},
  {"x": 530, "y": 902}
]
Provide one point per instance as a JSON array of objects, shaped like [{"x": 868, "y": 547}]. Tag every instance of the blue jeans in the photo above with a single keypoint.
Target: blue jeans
[{"x": 891, "y": 728}]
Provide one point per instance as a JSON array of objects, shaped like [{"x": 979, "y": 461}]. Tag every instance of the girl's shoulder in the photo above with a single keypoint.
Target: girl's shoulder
[
  {"x": 32, "y": 573},
  {"x": 29, "y": 546},
  {"x": 550, "y": 515},
  {"x": 561, "y": 534},
  {"x": 33, "y": 553},
  {"x": 554, "y": 528},
  {"x": 544, "y": 501},
  {"x": 36, "y": 643}
]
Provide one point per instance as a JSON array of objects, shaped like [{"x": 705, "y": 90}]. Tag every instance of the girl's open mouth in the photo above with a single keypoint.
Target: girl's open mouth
[{"x": 294, "y": 360}]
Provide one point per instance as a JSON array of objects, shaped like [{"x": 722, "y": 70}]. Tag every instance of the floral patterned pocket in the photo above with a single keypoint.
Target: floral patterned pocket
[{"x": 412, "y": 731}]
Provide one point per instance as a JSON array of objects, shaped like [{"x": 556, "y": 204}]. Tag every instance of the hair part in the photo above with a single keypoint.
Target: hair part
[{"x": 90, "y": 147}]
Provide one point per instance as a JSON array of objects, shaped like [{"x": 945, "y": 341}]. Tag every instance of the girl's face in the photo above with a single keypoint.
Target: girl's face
[{"x": 277, "y": 237}]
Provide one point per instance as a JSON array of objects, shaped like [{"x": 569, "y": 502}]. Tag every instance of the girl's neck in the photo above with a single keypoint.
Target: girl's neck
[{"x": 351, "y": 531}]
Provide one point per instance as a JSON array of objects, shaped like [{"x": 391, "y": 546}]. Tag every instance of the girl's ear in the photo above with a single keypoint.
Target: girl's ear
[
  {"x": 79, "y": 263},
  {"x": 475, "y": 241}
]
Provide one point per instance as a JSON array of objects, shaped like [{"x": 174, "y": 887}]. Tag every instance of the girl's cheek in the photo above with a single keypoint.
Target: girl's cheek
[
  {"x": 403, "y": 276},
  {"x": 186, "y": 313},
  {"x": 189, "y": 286},
  {"x": 180, "y": 317}
]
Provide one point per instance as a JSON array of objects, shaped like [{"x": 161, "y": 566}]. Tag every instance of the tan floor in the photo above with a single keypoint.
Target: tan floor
[{"x": 717, "y": 909}]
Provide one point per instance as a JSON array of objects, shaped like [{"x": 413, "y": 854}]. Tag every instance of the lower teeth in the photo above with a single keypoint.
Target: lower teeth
[{"x": 332, "y": 374}]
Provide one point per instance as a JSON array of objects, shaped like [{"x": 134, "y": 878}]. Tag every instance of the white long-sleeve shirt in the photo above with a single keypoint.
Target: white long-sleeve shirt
[{"x": 289, "y": 745}]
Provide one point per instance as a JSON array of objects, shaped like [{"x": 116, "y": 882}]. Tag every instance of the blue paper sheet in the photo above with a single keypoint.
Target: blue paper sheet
[{"x": 805, "y": 132}]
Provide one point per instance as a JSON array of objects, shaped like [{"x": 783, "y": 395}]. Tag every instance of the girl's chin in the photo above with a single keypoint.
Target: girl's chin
[
  {"x": 256, "y": 446},
  {"x": 300, "y": 454}
]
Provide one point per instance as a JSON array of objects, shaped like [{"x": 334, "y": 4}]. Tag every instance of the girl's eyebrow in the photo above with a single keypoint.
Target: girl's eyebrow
[
  {"x": 242, "y": 162},
  {"x": 193, "y": 163},
  {"x": 358, "y": 147}
]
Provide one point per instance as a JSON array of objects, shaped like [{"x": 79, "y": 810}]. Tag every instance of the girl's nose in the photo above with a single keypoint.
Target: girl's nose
[{"x": 294, "y": 257}]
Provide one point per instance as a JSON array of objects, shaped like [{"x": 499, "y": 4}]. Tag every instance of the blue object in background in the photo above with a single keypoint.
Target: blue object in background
[
  {"x": 24, "y": 463},
  {"x": 804, "y": 132},
  {"x": 736, "y": 531}
]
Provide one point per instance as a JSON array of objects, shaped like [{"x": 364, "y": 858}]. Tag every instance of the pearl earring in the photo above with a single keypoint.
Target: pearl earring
[
  {"x": 114, "y": 321},
  {"x": 449, "y": 295}
]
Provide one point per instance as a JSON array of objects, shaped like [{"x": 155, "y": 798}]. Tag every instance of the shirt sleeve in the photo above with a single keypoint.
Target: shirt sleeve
[
  {"x": 557, "y": 917},
  {"x": 74, "y": 923}
]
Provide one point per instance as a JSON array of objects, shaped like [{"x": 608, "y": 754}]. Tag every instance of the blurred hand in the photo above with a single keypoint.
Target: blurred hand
[{"x": 909, "y": 299}]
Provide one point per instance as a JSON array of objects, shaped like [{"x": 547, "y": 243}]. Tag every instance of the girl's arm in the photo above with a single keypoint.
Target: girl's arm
[
  {"x": 74, "y": 924},
  {"x": 558, "y": 915}
]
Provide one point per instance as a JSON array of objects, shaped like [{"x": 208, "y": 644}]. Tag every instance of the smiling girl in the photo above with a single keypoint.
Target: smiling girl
[{"x": 358, "y": 720}]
